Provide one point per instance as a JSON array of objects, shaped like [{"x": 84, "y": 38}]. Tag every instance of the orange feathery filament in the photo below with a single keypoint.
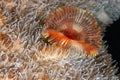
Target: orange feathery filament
[
  {"x": 57, "y": 37},
  {"x": 90, "y": 50},
  {"x": 65, "y": 42}
]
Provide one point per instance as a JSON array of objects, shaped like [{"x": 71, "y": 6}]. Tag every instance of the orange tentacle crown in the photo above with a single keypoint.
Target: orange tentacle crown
[{"x": 70, "y": 26}]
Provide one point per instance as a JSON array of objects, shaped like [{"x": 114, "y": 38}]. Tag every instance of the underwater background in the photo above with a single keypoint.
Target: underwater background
[{"x": 113, "y": 40}]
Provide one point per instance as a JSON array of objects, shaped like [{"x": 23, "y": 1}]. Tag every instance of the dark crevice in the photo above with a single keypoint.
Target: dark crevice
[{"x": 112, "y": 36}]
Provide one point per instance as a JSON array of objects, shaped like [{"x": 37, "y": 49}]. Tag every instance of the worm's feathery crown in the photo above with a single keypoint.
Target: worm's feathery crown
[{"x": 77, "y": 25}]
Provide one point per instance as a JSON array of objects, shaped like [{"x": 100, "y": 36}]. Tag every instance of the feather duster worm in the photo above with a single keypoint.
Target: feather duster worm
[{"x": 70, "y": 26}]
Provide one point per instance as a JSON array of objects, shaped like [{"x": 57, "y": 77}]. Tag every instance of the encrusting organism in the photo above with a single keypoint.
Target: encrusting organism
[
  {"x": 56, "y": 39},
  {"x": 2, "y": 19}
]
